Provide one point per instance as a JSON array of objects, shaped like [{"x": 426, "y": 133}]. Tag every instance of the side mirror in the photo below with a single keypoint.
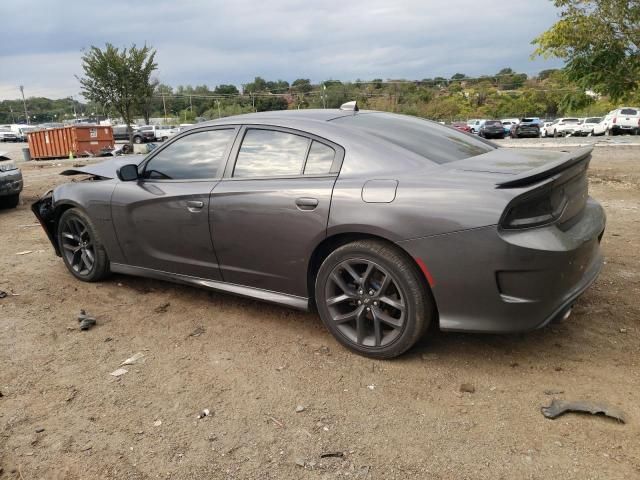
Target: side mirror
[{"x": 128, "y": 173}]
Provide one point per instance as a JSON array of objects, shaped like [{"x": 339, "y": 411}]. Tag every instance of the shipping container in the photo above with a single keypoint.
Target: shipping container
[{"x": 79, "y": 140}]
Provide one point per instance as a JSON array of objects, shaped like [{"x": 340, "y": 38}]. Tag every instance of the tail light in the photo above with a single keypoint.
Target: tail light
[
  {"x": 532, "y": 210},
  {"x": 615, "y": 119}
]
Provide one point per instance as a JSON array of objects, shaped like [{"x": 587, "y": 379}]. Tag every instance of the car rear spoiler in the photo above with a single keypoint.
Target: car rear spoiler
[{"x": 541, "y": 173}]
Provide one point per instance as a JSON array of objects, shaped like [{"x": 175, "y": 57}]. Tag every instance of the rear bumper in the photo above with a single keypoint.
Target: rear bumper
[{"x": 489, "y": 280}]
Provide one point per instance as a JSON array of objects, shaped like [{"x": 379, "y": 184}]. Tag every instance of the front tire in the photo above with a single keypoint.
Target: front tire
[
  {"x": 372, "y": 297},
  {"x": 10, "y": 201},
  {"x": 137, "y": 140},
  {"x": 80, "y": 246}
]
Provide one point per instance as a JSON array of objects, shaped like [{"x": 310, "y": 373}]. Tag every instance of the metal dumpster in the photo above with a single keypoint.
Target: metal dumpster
[{"x": 80, "y": 140}]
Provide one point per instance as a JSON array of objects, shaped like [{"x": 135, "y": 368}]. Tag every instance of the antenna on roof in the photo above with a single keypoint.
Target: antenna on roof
[{"x": 352, "y": 106}]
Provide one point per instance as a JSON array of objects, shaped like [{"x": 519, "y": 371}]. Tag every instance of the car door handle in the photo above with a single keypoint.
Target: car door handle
[
  {"x": 194, "y": 205},
  {"x": 306, "y": 203}
]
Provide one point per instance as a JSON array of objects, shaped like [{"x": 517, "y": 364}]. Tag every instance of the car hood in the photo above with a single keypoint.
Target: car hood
[{"x": 106, "y": 169}]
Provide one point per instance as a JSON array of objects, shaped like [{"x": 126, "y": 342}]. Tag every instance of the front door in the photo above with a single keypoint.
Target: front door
[
  {"x": 162, "y": 220},
  {"x": 272, "y": 208}
]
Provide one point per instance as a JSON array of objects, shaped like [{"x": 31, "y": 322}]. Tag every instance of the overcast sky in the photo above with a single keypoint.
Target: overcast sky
[{"x": 213, "y": 42}]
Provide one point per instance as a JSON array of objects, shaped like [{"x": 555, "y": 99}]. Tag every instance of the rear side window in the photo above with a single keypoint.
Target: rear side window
[
  {"x": 319, "y": 160},
  {"x": 269, "y": 153},
  {"x": 430, "y": 140},
  {"x": 628, "y": 111},
  {"x": 196, "y": 156}
]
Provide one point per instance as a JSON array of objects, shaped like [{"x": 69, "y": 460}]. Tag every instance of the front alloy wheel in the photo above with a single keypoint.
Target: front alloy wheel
[
  {"x": 373, "y": 298},
  {"x": 80, "y": 246}
]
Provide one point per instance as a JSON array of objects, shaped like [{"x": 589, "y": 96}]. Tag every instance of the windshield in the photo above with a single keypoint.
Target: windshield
[
  {"x": 571, "y": 120},
  {"x": 430, "y": 140},
  {"x": 593, "y": 120}
]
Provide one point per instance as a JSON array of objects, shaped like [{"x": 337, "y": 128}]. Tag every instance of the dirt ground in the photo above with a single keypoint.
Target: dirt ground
[{"x": 62, "y": 415}]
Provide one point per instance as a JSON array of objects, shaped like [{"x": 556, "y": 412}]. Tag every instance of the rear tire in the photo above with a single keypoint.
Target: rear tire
[
  {"x": 81, "y": 247},
  {"x": 137, "y": 140},
  {"x": 373, "y": 298}
]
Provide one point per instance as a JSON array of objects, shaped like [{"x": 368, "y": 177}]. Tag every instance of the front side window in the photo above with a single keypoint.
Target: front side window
[
  {"x": 196, "y": 156},
  {"x": 270, "y": 153}
]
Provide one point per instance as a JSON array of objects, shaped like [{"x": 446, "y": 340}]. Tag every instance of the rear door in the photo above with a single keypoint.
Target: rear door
[
  {"x": 272, "y": 207},
  {"x": 162, "y": 220}
]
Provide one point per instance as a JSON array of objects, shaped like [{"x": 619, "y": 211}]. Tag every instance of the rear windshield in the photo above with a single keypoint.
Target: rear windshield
[
  {"x": 593, "y": 120},
  {"x": 628, "y": 111},
  {"x": 529, "y": 120},
  {"x": 430, "y": 140},
  {"x": 493, "y": 122},
  {"x": 571, "y": 120}
]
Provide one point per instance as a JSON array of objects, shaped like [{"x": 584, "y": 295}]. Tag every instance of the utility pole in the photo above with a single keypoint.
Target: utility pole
[
  {"x": 324, "y": 96},
  {"x": 24, "y": 103},
  {"x": 190, "y": 104},
  {"x": 13, "y": 119},
  {"x": 218, "y": 102},
  {"x": 164, "y": 106}
]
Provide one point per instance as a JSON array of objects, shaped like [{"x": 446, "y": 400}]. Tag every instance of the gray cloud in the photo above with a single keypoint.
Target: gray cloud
[{"x": 213, "y": 42}]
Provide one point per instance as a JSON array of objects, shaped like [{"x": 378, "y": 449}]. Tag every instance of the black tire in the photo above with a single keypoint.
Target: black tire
[
  {"x": 137, "y": 140},
  {"x": 10, "y": 201},
  {"x": 87, "y": 244},
  {"x": 390, "y": 330},
  {"x": 164, "y": 139},
  {"x": 555, "y": 133}
]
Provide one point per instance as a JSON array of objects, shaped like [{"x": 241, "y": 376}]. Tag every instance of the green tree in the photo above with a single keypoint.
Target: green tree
[
  {"x": 302, "y": 85},
  {"x": 119, "y": 78},
  {"x": 600, "y": 43},
  {"x": 226, "y": 90}
]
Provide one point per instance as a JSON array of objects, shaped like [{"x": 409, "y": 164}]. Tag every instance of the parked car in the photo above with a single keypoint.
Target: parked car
[
  {"x": 10, "y": 184},
  {"x": 303, "y": 208},
  {"x": 7, "y": 135},
  {"x": 587, "y": 126},
  {"x": 543, "y": 129},
  {"x": 508, "y": 123},
  {"x": 120, "y": 132},
  {"x": 622, "y": 120},
  {"x": 526, "y": 127},
  {"x": 476, "y": 126},
  {"x": 463, "y": 127},
  {"x": 562, "y": 127},
  {"x": 164, "y": 132},
  {"x": 600, "y": 128},
  {"x": 492, "y": 129}
]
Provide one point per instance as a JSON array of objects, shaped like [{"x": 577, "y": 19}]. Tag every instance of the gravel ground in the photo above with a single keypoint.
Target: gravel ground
[{"x": 62, "y": 415}]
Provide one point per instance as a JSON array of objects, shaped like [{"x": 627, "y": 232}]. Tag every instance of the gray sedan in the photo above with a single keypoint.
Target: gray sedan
[{"x": 383, "y": 223}]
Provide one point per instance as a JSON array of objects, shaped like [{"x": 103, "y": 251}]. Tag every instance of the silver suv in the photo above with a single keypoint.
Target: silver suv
[{"x": 10, "y": 184}]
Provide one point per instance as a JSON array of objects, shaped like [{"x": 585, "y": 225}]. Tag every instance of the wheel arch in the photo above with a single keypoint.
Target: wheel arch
[{"x": 332, "y": 242}]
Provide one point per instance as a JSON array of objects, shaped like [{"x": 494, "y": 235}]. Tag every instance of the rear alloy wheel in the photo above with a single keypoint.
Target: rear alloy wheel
[
  {"x": 137, "y": 140},
  {"x": 80, "y": 247},
  {"x": 373, "y": 298}
]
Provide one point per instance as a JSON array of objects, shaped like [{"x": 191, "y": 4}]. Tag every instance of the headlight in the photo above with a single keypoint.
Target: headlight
[{"x": 6, "y": 166}]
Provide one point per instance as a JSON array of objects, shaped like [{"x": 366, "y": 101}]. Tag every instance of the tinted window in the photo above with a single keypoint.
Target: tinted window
[
  {"x": 492, "y": 122},
  {"x": 319, "y": 160},
  {"x": 195, "y": 156},
  {"x": 593, "y": 120},
  {"x": 628, "y": 111},
  {"x": 571, "y": 120},
  {"x": 269, "y": 153},
  {"x": 427, "y": 139}
]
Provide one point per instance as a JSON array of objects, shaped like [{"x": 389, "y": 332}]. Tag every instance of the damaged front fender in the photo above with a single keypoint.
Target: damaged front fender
[{"x": 45, "y": 213}]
